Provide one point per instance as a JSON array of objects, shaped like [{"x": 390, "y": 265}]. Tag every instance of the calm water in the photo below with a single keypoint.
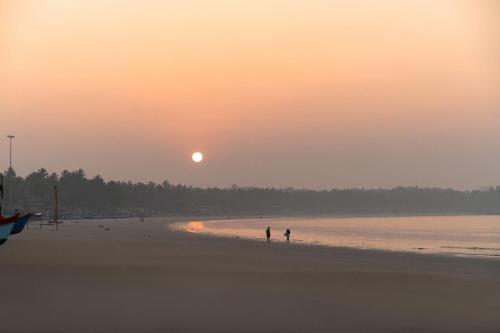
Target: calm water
[{"x": 458, "y": 235}]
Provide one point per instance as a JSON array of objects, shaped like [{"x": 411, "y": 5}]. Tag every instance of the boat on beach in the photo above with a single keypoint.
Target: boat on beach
[
  {"x": 6, "y": 226},
  {"x": 20, "y": 224}
]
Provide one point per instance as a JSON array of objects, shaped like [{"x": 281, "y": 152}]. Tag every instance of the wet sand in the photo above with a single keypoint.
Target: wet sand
[{"x": 146, "y": 278}]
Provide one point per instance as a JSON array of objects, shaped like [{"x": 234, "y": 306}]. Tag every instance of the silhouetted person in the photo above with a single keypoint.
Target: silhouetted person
[
  {"x": 268, "y": 233},
  {"x": 287, "y": 234}
]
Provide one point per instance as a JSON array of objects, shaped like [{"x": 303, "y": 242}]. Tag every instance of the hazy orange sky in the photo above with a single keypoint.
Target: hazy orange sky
[{"x": 315, "y": 94}]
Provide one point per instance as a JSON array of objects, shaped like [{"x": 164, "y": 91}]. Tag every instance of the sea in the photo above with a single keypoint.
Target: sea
[{"x": 471, "y": 236}]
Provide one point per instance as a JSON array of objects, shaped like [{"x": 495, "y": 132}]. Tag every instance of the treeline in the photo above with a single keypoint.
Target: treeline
[{"x": 80, "y": 196}]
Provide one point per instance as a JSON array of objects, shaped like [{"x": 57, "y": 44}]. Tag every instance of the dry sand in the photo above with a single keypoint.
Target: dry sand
[{"x": 145, "y": 278}]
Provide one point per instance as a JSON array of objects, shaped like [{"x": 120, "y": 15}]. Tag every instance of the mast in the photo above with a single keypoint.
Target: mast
[
  {"x": 56, "y": 220},
  {"x": 10, "y": 137}
]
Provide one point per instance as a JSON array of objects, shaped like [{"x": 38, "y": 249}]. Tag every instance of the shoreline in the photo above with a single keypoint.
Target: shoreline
[
  {"x": 177, "y": 227},
  {"x": 301, "y": 243}
]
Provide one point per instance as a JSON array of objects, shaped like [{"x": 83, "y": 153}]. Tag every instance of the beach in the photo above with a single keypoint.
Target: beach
[{"x": 126, "y": 276}]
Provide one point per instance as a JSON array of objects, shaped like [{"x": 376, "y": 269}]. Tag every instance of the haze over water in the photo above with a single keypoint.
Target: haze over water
[{"x": 457, "y": 235}]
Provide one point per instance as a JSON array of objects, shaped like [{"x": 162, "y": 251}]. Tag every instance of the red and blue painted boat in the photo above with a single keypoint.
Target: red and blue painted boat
[
  {"x": 6, "y": 226},
  {"x": 20, "y": 224}
]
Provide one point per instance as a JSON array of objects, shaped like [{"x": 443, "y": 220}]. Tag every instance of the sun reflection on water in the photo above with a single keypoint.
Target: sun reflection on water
[{"x": 195, "y": 226}]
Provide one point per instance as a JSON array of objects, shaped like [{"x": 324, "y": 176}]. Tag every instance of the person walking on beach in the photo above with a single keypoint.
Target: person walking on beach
[
  {"x": 287, "y": 234},
  {"x": 268, "y": 233}
]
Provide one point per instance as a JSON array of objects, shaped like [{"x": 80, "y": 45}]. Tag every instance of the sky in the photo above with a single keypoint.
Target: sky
[{"x": 308, "y": 94}]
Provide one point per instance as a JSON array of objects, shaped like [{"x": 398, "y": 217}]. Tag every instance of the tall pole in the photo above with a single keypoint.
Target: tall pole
[
  {"x": 11, "y": 137},
  {"x": 56, "y": 207}
]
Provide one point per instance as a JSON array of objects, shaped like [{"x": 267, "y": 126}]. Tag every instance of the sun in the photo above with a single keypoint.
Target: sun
[{"x": 197, "y": 157}]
